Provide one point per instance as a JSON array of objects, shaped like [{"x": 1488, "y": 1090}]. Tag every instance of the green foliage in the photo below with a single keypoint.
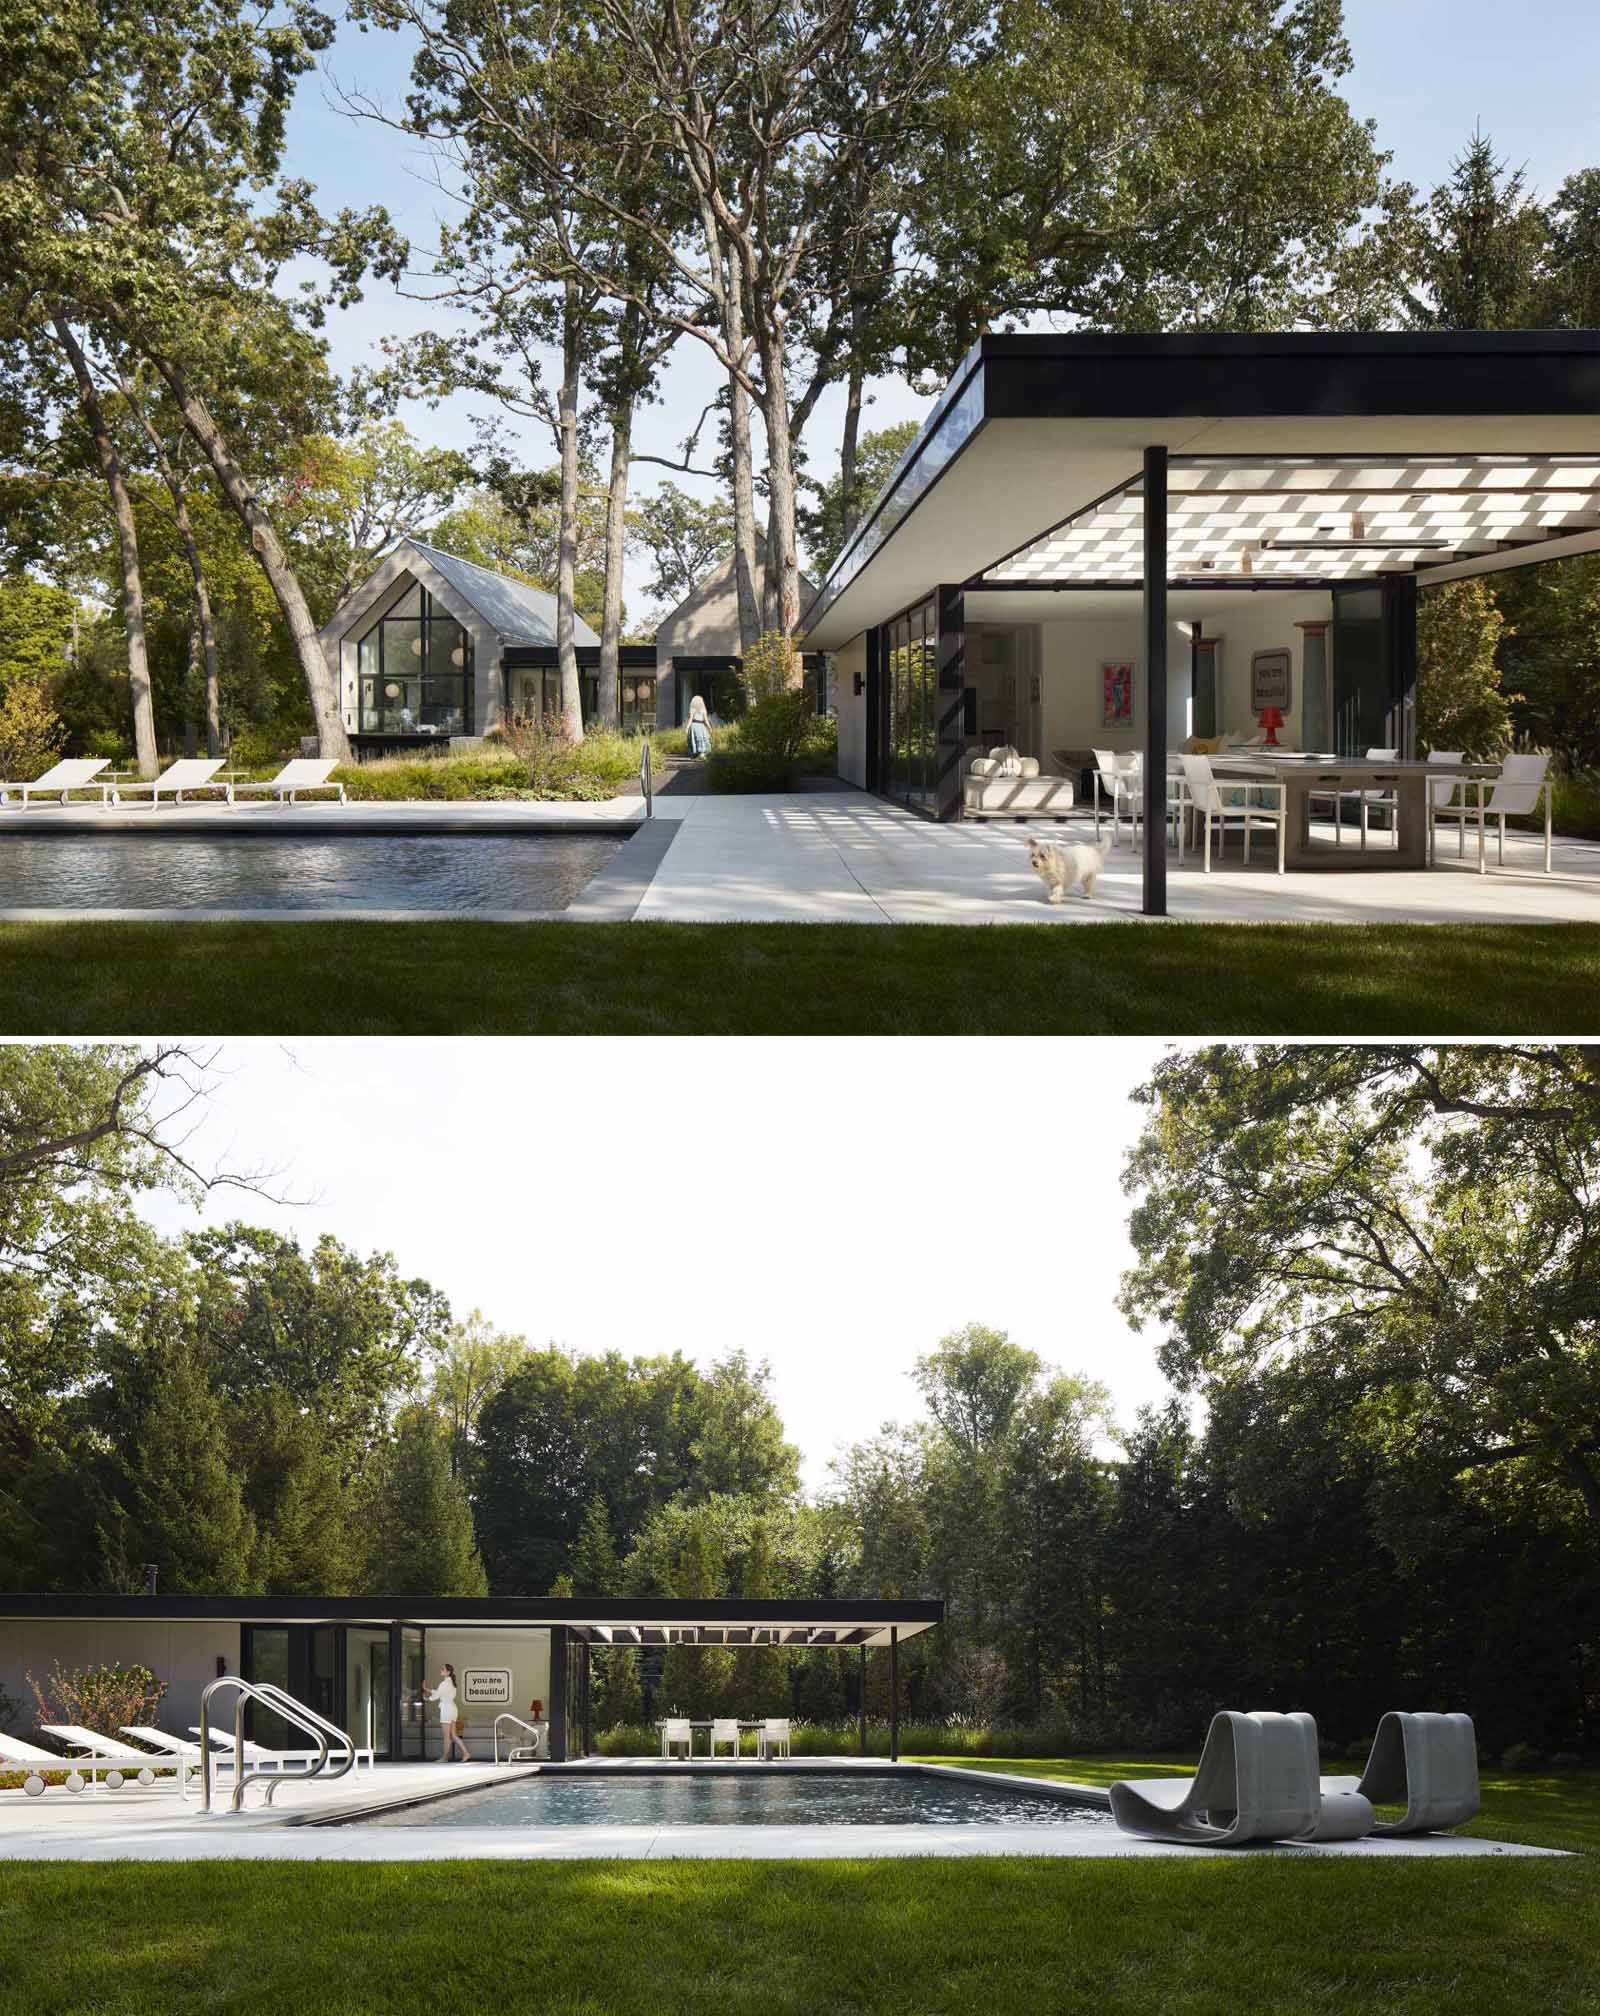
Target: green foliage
[
  {"x": 684, "y": 537},
  {"x": 36, "y": 620},
  {"x": 1522, "y": 1757},
  {"x": 827, "y": 525},
  {"x": 1551, "y": 655},
  {"x": 105, "y": 1699},
  {"x": 524, "y": 761},
  {"x": 185, "y": 1512},
  {"x": 595, "y": 1568},
  {"x": 771, "y": 668},
  {"x": 1460, "y": 704},
  {"x": 1484, "y": 250},
  {"x": 418, "y": 1522},
  {"x": 31, "y": 732}
]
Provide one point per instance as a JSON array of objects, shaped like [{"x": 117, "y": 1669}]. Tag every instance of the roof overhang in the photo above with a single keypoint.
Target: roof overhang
[
  {"x": 1035, "y": 432},
  {"x": 838, "y": 1624}
]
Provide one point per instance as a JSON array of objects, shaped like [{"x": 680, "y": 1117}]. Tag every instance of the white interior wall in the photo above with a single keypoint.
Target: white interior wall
[
  {"x": 851, "y": 709},
  {"x": 524, "y": 1653},
  {"x": 1074, "y": 650},
  {"x": 1265, "y": 623},
  {"x": 184, "y": 1655}
]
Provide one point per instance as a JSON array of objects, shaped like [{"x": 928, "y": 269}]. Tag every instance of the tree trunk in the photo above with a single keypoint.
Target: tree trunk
[
  {"x": 321, "y": 684},
  {"x": 144, "y": 720},
  {"x": 567, "y": 552},
  {"x": 616, "y": 534},
  {"x": 783, "y": 566},
  {"x": 849, "y": 445},
  {"x": 191, "y": 686},
  {"x": 744, "y": 495}
]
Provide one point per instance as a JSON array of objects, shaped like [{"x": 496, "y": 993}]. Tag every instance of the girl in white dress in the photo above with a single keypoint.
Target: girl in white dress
[{"x": 445, "y": 1695}]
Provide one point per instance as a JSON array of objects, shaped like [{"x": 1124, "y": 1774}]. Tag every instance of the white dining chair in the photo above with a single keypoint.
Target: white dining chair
[
  {"x": 772, "y": 1738},
  {"x": 1120, "y": 774},
  {"x": 1203, "y": 795},
  {"x": 1522, "y": 783},
  {"x": 1387, "y": 801},
  {"x": 1441, "y": 790},
  {"x": 724, "y": 1729},
  {"x": 677, "y": 1730}
]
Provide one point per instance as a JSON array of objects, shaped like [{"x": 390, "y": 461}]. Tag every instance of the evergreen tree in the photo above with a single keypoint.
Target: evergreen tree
[
  {"x": 595, "y": 1571},
  {"x": 1482, "y": 265},
  {"x": 697, "y": 1680},
  {"x": 185, "y": 1510},
  {"x": 300, "y": 1500},
  {"x": 762, "y": 1673},
  {"x": 624, "y": 1695},
  {"x": 419, "y": 1525}
]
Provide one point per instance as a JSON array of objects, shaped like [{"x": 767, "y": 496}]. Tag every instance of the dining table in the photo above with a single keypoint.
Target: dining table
[
  {"x": 698, "y": 1722},
  {"x": 1403, "y": 785}
]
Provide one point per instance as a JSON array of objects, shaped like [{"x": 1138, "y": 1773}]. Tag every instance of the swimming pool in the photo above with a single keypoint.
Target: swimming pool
[
  {"x": 748, "y": 1798},
  {"x": 347, "y": 871}
]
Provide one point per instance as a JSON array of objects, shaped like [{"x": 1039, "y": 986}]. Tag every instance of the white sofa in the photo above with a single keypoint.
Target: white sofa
[{"x": 1004, "y": 785}]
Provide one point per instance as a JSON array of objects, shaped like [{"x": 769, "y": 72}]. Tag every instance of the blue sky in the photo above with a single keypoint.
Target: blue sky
[{"x": 1426, "y": 70}]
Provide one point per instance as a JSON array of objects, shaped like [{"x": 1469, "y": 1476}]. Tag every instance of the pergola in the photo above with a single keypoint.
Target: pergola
[
  {"x": 1220, "y": 465},
  {"x": 786, "y": 1624}
]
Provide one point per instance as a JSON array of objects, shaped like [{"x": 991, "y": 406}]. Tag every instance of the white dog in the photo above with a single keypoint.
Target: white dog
[{"x": 1062, "y": 868}]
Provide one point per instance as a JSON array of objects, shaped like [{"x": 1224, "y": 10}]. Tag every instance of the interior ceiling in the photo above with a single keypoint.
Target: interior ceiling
[
  {"x": 1287, "y": 520},
  {"x": 1093, "y": 605}
]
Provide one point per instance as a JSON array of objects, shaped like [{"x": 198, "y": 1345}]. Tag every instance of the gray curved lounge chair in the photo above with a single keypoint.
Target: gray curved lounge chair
[
  {"x": 1256, "y": 1781},
  {"x": 1427, "y": 1762}
]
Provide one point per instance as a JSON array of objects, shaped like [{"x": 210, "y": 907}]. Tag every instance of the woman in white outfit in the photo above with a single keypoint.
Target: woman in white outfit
[{"x": 445, "y": 1695}]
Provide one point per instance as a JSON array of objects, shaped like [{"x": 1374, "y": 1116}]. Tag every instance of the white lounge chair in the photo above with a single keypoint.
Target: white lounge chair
[
  {"x": 1428, "y": 1763},
  {"x": 1522, "y": 782},
  {"x": 1256, "y": 1781},
  {"x": 772, "y": 1738},
  {"x": 190, "y": 773},
  {"x": 676, "y": 1730},
  {"x": 16, "y": 1755},
  {"x": 73, "y": 773},
  {"x": 305, "y": 773},
  {"x": 723, "y": 1730},
  {"x": 264, "y": 1758},
  {"x": 115, "y": 1761},
  {"x": 186, "y": 1755}
]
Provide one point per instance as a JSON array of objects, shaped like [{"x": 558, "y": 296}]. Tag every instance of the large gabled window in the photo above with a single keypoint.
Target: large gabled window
[{"x": 415, "y": 669}]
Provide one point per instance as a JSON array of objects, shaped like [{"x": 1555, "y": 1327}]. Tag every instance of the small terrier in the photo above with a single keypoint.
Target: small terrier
[{"x": 1062, "y": 868}]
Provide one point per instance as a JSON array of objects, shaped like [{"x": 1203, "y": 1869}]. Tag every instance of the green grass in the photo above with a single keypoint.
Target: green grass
[
  {"x": 80, "y": 978},
  {"x": 1254, "y": 1936}
]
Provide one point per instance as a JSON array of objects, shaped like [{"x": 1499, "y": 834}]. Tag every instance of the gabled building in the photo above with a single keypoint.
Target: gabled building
[{"x": 697, "y": 650}]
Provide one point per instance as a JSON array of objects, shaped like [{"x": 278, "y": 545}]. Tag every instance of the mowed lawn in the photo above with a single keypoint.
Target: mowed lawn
[
  {"x": 86, "y": 978},
  {"x": 1243, "y": 1935}
]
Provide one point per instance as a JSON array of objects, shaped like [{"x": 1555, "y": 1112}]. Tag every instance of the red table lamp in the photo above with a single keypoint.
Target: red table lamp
[{"x": 1272, "y": 721}]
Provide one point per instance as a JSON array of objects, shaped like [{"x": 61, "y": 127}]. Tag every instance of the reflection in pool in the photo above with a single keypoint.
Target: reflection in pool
[
  {"x": 350, "y": 871},
  {"x": 749, "y": 1799}
]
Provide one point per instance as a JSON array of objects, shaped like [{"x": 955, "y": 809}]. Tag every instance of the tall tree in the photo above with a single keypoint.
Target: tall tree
[
  {"x": 418, "y": 1522},
  {"x": 1482, "y": 259},
  {"x": 185, "y": 1510},
  {"x": 1400, "y": 1235}
]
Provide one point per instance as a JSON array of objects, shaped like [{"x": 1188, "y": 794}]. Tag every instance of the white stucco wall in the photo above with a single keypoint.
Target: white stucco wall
[
  {"x": 851, "y": 708},
  {"x": 184, "y": 1655},
  {"x": 1267, "y": 623}
]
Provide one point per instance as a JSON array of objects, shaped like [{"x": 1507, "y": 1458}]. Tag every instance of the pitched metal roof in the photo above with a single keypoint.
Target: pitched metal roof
[{"x": 520, "y": 614}]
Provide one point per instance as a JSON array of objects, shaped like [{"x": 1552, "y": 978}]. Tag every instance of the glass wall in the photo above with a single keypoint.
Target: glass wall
[
  {"x": 910, "y": 706},
  {"x": 536, "y": 692},
  {"x": 366, "y": 1704},
  {"x": 415, "y": 667}
]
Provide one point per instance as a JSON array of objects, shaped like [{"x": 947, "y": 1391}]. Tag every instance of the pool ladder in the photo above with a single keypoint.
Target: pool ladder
[
  {"x": 518, "y": 1753},
  {"x": 316, "y": 1726},
  {"x": 645, "y": 787}
]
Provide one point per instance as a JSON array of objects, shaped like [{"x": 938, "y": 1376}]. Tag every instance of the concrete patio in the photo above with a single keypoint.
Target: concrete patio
[
  {"x": 151, "y": 1824},
  {"x": 852, "y": 858}
]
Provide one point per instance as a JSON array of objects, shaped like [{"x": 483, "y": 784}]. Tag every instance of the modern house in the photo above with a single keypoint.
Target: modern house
[
  {"x": 698, "y": 650},
  {"x": 1121, "y": 542},
  {"x": 431, "y": 647},
  {"x": 364, "y": 1661}
]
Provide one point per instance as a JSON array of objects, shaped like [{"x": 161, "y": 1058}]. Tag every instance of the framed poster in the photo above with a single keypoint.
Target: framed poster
[
  {"x": 486, "y": 1686},
  {"x": 1117, "y": 692},
  {"x": 1269, "y": 680}
]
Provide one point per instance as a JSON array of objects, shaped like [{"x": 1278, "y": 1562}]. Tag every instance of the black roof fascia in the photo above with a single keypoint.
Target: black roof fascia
[{"x": 846, "y": 1614}]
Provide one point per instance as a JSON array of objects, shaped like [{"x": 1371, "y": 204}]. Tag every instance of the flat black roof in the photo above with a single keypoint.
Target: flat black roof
[{"x": 640, "y": 1620}]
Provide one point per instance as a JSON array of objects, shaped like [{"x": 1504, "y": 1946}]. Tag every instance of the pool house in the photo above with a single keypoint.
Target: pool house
[
  {"x": 363, "y": 1662},
  {"x": 1120, "y": 544}
]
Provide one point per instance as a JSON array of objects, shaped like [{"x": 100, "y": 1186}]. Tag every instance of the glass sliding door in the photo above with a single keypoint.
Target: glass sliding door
[
  {"x": 367, "y": 1687},
  {"x": 910, "y": 707},
  {"x": 268, "y": 1656},
  {"x": 411, "y": 1712}
]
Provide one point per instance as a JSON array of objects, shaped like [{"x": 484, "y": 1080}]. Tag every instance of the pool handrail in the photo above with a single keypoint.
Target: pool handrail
[
  {"x": 519, "y": 1753},
  {"x": 646, "y": 781},
  {"x": 306, "y": 1719}
]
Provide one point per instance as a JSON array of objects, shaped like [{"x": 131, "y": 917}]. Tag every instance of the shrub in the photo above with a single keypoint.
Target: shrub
[
  {"x": 771, "y": 667},
  {"x": 264, "y": 747},
  {"x": 747, "y": 770},
  {"x": 31, "y": 732},
  {"x": 1521, "y": 1757},
  {"x": 107, "y": 742},
  {"x": 102, "y": 1698},
  {"x": 1566, "y": 1760}
]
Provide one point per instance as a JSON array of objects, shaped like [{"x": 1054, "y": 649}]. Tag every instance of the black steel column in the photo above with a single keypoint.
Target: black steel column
[
  {"x": 1155, "y": 682},
  {"x": 949, "y": 681},
  {"x": 861, "y": 1703},
  {"x": 894, "y": 1693},
  {"x": 874, "y": 705},
  {"x": 558, "y": 1694},
  {"x": 1400, "y": 649}
]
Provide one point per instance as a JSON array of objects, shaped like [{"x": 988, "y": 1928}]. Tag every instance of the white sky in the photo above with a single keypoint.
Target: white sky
[{"x": 832, "y": 1206}]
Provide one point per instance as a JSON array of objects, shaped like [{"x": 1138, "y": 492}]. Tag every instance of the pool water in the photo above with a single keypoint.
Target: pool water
[
  {"x": 748, "y": 1799},
  {"x": 352, "y": 871}
]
